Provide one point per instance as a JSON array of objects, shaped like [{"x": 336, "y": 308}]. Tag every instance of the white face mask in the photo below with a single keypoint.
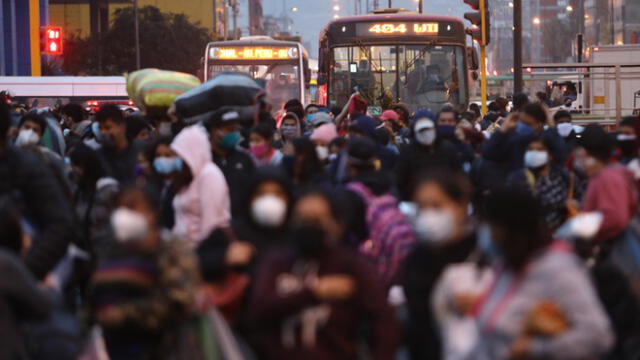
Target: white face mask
[
  {"x": 269, "y": 211},
  {"x": 435, "y": 226},
  {"x": 534, "y": 159},
  {"x": 129, "y": 225},
  {"x": 625, "y": 137},
  {"x": 27, "y": 138},
  {"x": 426, "y": 137},
  {"x": 564, "y": 129},
  {"x": 323, "y": 152},
  {"x": 164, "y": 129}
]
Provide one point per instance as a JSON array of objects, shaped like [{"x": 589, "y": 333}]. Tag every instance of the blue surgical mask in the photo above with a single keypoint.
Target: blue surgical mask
[
  {"x": 230, "y": 140},
  {"x": 167, "y": 165},
  {"x": 524, "y": 129},
  {"x": 288, "y": 131},
  {"x": 486, "y": 243},
  {"x": 95, "y": 129},
  {"x": 310, "y": 118}
]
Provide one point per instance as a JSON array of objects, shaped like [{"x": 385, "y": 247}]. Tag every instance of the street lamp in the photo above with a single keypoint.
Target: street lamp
[
  {"x": 294, "y": 9},
  {"x": 336, "y": 7},
  {"x": 536, "y": 21},
  {"x": 569, "y": 8}
]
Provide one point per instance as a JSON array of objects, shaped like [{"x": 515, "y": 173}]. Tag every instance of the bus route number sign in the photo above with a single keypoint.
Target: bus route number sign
[{"x": 404, "y": 28}]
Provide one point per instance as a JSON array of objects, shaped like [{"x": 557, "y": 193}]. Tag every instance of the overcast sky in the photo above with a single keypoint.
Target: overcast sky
[{"x": 313, "y": 15}]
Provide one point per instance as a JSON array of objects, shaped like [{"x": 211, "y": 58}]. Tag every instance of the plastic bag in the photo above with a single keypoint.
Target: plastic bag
[{"x": 153, "y": 88}]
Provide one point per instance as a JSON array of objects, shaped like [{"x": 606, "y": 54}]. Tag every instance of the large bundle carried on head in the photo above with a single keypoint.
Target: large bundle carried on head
[
  {"x": 229, "y": 90},
  {"x": 157, "y": 89}
]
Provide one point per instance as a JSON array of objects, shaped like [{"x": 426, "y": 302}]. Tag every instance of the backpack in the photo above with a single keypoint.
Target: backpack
[{"x": 391, "y": 236}]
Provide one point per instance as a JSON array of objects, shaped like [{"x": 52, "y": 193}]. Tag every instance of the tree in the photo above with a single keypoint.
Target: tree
[
  {"x": 167, "y": 41},
  {"x": 557, "y": 39}
]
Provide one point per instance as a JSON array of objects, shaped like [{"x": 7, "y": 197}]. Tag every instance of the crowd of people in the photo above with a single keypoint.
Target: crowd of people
[{"x": 318, "y": 234}]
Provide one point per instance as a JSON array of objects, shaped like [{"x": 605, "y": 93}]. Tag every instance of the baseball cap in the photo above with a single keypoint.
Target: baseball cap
[
  {"x": 389, "y": 115},
  {"x": 321, "y": 118}
]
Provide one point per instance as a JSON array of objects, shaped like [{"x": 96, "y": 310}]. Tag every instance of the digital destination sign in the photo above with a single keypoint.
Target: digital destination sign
[
  {"x": 402, "y": 28},
  {"x": 253, "y": 53}
]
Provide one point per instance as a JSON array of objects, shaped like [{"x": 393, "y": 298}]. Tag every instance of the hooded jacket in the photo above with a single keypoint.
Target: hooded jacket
[
  {"x": 416, "y": 159},
  {"x": 204, "y": 205}
]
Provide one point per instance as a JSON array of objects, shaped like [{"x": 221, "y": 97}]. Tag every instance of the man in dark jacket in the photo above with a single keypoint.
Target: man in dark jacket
[
  {"x": 237, "y": 166},
  {"x": 509, "y": 144},
  {"x": 427, "y": 152},
  {"x": 317, "y": 300},
  {"x": 27, "y": 183},
  {"x": 119, "y": 153}
]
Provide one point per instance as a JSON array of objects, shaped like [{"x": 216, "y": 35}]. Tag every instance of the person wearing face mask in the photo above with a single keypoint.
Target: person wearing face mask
[
  {"x": 627, "y": 140},
  {"x": 426, "y": 153},
  {"x": 448, "y": 129},
  {"x": 93, "y": 198},
  {"x": 236, "y": 165},
  {"x": 445, "y": 236},
  {"x": 138, "y": 128},
  {"x": 290, "y": 129},
  {"x": 322, "y": 137},
  {"x": 165, "y": 164},
  {"x": 564, "y": 125},
  {"x": 611, "y": 189},
  {"x": 117, "y": 151},
  {"x": 509, "y": 144},
  {"x": 548, "y": 183},
  {"x": 202, "y": 202},
  {"x": 304, "y": 167},
  {"x": 542, "y": 304},
  {"x": 387, "y": 236},
  {"x": 144, "y": 288},
  {"x": 312, "y": 300},
  {"x": 261, "y": 146}
]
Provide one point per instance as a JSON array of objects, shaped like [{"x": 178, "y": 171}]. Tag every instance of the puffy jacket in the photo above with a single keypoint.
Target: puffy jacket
[
  {"x": 27, "y": 182},
  {"x": 204, "y": 205}
]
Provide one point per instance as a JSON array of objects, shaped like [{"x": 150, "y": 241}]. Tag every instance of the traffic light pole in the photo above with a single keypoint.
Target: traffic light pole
[
  {"x": 34, "y": 34},
  {"x": 517, "y": 47},
  {"x": 483, "y": 56}
]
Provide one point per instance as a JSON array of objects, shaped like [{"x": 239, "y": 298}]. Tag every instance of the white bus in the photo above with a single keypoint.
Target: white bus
[{"x": 281, "y": 67}]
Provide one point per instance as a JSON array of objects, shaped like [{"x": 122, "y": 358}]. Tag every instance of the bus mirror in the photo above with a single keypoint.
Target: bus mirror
[
  {"x": 472, "y": 58},
  {"x": 322, "y": 79}
]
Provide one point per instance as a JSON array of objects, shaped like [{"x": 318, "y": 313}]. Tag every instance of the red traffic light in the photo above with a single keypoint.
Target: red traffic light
[
  {"x": 51, "y": 40},
  {"x": 475, "y": 4}
]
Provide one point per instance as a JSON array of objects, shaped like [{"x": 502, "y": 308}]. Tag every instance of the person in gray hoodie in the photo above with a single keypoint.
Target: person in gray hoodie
[{"x": 542, "y": 304}]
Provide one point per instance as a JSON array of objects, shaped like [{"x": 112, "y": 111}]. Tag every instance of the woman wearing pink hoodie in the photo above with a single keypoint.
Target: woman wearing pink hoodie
[{"x": 202, "y": 202}]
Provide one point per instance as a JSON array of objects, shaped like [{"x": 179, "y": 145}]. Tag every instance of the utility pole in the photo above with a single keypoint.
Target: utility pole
[
  {"x": 136, "y": 25},
  {"x": 420, "y": 7},
  {"x": 517, "y": 47},
  {"x": 483, "y": 55},
  {"x": 234, "y": 9},
  {"x": 390, "y": 6},
  {"x": 215, "y": 20}
]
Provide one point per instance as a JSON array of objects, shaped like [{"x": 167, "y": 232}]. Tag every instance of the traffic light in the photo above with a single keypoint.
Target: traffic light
[
  {"x": 475, "y": 18},
  {"x": 51, "y": 40}
]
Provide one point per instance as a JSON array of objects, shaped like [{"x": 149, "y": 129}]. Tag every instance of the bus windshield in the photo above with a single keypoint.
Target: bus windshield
[
  {"x": 281, "y": 81},
  {"x": 421, "y": 76}
]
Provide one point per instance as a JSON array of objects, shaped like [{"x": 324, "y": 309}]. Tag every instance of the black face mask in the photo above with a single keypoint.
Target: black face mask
[
  {"x": 629, "y": 148},
  {"x": 107, "y": 141},
  {"x": 309, "y": 240}
]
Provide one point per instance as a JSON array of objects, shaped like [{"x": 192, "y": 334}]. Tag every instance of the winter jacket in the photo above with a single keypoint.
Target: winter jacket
[
  {"x": 555, "y": 275},
  {"x": 294, "y": 324},
  {"x": 20, "y": 300},
  {"x": 121, "y": 165},
  {"x": 28, "y": 183},
  {"x": 238, "y": 168},
  {"x": 422, "y": 269},
  {"x": 416, "y": 159},
  {"x": 93, "y": 209},
  {"x": 510, "y": 147},
  {"x": 204, "y": 204},
  {"x": 611, "y": 192}
]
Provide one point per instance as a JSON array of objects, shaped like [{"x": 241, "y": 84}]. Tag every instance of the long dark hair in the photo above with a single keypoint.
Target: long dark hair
[
  {"x": 89, "y": 161},
  {"x": 519, "y": 214},
  {"x": 307, "y": 163}
]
